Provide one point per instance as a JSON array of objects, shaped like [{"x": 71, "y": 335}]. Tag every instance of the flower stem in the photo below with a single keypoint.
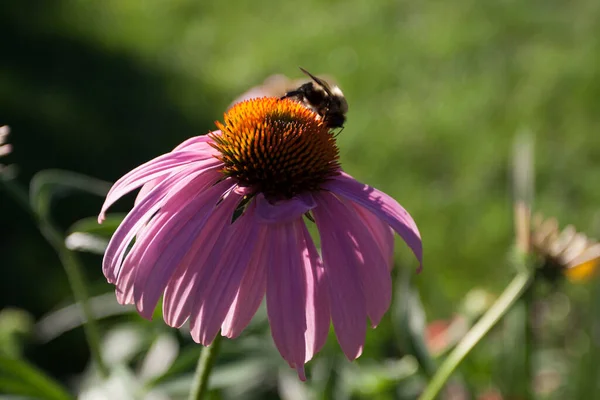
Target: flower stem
[
  {"x": 203, "y": 369},
  {"x": 79, "y": 287},
  {"x": 510, "y": 295},
  {"x": 72, "y": 269}
]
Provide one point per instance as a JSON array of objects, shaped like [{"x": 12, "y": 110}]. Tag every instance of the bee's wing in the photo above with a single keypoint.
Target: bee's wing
[
  {"x": 273, "y": 86},
  {"x": 321, "y": 82}
]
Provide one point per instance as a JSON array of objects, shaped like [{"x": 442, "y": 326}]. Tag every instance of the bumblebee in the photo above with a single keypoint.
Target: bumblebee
[{"x": 327, "y": 101}]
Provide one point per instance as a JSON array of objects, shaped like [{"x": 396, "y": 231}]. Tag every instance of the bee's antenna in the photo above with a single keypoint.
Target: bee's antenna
[{"x": 319, "y": 81}]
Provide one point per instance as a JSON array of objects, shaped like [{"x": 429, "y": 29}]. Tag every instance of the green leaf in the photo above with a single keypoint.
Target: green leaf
[
  {"x": 16, "y": 326},
  {"x": 409, "y": 320},
  {"x": 45, "y": 185},
  {"x": 57, "y": 322},
  {"x": 89, "y": 236},
  {"x": 20, "y": 377},
  {"x": 374, "y": 378},
  {"x": 90, "y": 225},
  {"x": 79, "y": 241},
  {"x": 240, "y": 378},
  {"x": 8, "y": 385}
]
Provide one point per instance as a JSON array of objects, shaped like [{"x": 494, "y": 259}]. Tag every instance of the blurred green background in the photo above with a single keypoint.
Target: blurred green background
[{"x": 437, "y": 91}]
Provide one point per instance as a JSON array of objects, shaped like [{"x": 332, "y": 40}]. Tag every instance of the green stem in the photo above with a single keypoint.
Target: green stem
[
  {"x": 421, "y": 353},
  {"x": 203, "y": 369},
  {"x": 72, "y": 269},
  {"x": 79, "y": 287},
  {"x": 510, "y": 295}
]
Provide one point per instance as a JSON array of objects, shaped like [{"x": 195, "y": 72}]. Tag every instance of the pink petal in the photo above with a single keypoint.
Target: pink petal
[
  {"x": 372, "y": 264},
  {"x": 187, "y": 213},
  {"x": 317, "y": 303},
  {"x": 182, "y": 287},
  {"x": 382, "y": 206},
  {"x": 251, "y": 292},
  {"x": 124, "y": 283},
  {"x": 284, "y": 210},
  {"x": 147, "y": 188},
  {"x": 296, "y": 305},
  {"x": 142, "y": 212},
  {"x": 126, "y": 278},
  {"x": 231, "y": 262},
  {"x": 133, "y": 222},
  {"x": 286, "y": 295},
  {"x": 381, "y": 231},
  {"x": 199, "y": 144},
  {"x": 342, "y": 269},
  {"x": 156, "y": 168}
]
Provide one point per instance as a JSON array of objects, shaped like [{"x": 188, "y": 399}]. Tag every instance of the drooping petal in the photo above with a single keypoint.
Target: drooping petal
[
  {"x": 197, "y": 143},
  {"x": 160, "y": 166},
  {"x": 296, "y": 302},
  {"x": 251, "y": 292},
  {"x": 284, "y": 210},
  {"x": 231, "y": 262},
  {"x": 342, "y": 270},
  {"x": 286, "y": 295},
  {"x": 142, "y": 212},
  {"x": 381, "y": 205},
  {"x": 370, "y": 261},
  {"x": 131, "y": 225},
  {"x": 317, "y": 302},
  {"x": 147, "y": 188},
  {"x": 379, "y": 229},
  {"x": 186, "y": 214},
  {"x": 317, "y": 306},
  {"x": 125, "y": 283},
  {"x": 135, "y": 220},
  {"x": 205, "y": 264},
  {"x": 200, "y": 144},
  {"x": 181, "y": 289}
]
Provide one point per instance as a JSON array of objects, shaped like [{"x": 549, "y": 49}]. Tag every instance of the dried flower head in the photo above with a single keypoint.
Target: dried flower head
[
  {"x": 219, "y": 223},
  {"x": 565, "y": 252}
]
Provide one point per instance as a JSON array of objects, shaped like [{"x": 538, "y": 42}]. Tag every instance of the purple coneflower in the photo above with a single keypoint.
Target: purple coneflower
[
  {"x": 220, "y": 221},
  {"x": 4, "y": 148}
]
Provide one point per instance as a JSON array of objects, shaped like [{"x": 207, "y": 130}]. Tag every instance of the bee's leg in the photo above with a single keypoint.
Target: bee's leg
[
  {"x": 300, "y": 92},
  {"x": 293, "y": 93},
  {"x": 335, "y": 135}
]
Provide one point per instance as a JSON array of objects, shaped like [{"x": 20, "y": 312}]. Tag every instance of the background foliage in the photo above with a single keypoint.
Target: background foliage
[{"x": 437, "y": 91}]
